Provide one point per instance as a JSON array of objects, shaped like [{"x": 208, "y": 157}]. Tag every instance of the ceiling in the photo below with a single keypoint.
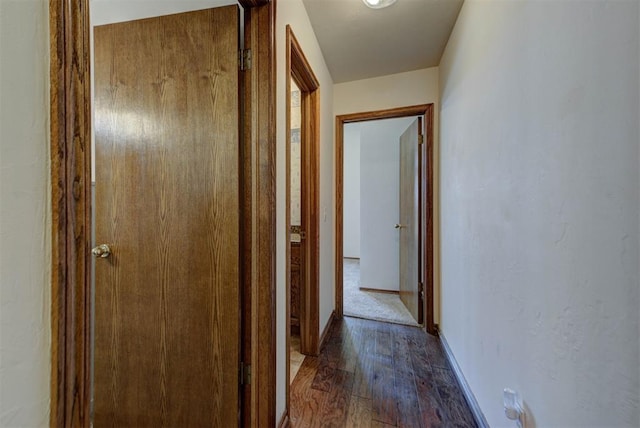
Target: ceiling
[{"x": 358, "y": 42}]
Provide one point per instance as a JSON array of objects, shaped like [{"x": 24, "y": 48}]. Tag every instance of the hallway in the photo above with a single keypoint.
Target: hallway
[{"x": 374, "y": 374}]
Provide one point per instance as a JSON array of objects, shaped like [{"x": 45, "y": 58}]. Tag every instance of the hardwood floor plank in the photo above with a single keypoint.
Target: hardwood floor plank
[
  {"x": 431, "y": 413},
  {"x": 324, "y": 377},
  {"x": 402, "y": 362},
  {"x": 376, "y": 424},
  {"x": 364, "y": 365},
  {"x": 444, "y": 376},
  {"x": 399, "y": 376},
  {"x": 336, "y": 406},
  {"x": 383, "y": 394},
  {"x": 383, "y": 341},
  {"x": 306, "y": 413},
  {"x": 408, "y": 406},
  {"x": 407, "y": 397},
  {"x": 306, "y": 402},
  {"x": 359, "y": 415},
  {"x": 351, "y": 342},
  {"x": 455, "y": 406}
]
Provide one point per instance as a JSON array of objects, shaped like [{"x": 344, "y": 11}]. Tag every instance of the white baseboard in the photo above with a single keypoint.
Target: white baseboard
[{"x": 481, "y": 421}]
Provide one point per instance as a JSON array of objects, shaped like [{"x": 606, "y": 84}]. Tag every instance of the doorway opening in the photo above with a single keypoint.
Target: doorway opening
[
  {"x": 302, "y": 218},
  {"x": 373, "y": 189},
  {"x": 411, "y": 232}
]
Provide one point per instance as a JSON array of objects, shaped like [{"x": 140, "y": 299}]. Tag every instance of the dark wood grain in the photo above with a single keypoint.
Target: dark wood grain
[
  {"x": 306, "y": 402},
  {"x": 394, "y": 383},
  {"x": 336, "y": 406},
  {"x": 364, "y": 362},
  {"x": 359, "y": 415},
  {"x": 260, "y": 101},
  {"x": 71, "y": 209},
  {"x": 383, "y": 391},
  {"x": 167, "y": 201},
  {"x": 324, "y": 377},
  {"x": 407, "y": 398}
]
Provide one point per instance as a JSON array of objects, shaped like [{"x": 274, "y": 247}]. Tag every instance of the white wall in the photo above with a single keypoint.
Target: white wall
[
  {"x": 379, "y": 202},
  {"x": 400, "y": 90},
  {"x": 112, "y": 11},
  {"x": 540, "y": 208},
  {"x": 351, "y": 195},
  {"x": 25, "y": 215},
  {"x": 292, "y": 12}
]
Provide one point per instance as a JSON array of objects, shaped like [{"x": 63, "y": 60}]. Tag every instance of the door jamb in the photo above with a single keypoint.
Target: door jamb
[
  {"x": 426, "y": 211},
  {"x": 298, "y": 68},
  {"x": 70, "y": 114}
]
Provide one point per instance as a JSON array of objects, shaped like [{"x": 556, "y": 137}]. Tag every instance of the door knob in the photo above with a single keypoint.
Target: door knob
[
  {"x": 102, "y": 250},
  {"x": 399, "y": 226}
]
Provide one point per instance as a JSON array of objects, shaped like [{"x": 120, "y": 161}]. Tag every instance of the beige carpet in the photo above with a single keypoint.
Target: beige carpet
[{"x": 371, "y": 305}]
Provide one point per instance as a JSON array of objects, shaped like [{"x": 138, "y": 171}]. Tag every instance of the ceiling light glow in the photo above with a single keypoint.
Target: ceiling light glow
[{"x": 378, "y": 4}]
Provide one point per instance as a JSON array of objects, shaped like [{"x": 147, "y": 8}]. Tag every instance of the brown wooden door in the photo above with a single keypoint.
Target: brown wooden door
[
  {"x": 167, "y": 305},
  {"x": 409, "y": 229}
]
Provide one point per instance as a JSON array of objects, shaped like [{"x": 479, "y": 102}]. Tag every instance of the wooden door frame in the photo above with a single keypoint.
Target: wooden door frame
[
  {"x": 298, "y": 68},
  {"x": 70, "y": 128},
  {"x": 426, "y": 215}
]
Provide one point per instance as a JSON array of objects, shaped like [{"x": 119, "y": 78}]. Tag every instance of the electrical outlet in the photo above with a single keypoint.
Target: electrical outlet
[{"x": 513, "y": 407}]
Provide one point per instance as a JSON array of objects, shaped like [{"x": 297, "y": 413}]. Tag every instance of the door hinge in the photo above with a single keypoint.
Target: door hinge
[
  {"x": 420, "y": 139},
  {"x": 244, "y": 59},
  {"x": 245, "y": 374},
  {"x": 421, "y": 289}
]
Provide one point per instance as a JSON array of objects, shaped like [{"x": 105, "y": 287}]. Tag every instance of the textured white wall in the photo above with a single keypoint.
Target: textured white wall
[
  {"x": 25, "y": 215},
  {"x": 540, "y": 208},
  {"x": 379, "y": 202},
  {"x": 351, "y": 195},
  {"x": 399, "y": 90},
  {"x": 292, "y": 12}
]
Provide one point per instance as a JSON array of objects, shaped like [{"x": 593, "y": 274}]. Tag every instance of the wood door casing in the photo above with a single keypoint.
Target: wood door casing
[
  {"x": 167, "y": 317},
  {"x": 298, "y": 69},
  {"x": 409, "y": 230},
  {"x": 427, "y": 201}
]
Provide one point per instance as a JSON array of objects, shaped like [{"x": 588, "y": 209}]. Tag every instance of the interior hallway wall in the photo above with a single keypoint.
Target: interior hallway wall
[
  {"x": 351, "y": 196},
  {"x": 380, "y": 202},
  {"x": 540, "y": 208},
  {"x": 400, "y": 90},
  {"x": 292, "y": 12},
  {"x": 25, "y": 215}
]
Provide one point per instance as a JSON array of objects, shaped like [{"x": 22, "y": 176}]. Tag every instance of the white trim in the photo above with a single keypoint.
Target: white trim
[{"x": 481, "y": 421}]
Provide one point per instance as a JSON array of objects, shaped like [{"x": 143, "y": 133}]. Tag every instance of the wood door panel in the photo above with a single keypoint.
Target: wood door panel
[
  {"x": 167, "y": 202},
  {"x": 409, "y": 209}
]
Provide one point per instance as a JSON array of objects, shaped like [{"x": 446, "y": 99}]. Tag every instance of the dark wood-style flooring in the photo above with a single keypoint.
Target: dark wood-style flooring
[{"x": 374, "y": 374}]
